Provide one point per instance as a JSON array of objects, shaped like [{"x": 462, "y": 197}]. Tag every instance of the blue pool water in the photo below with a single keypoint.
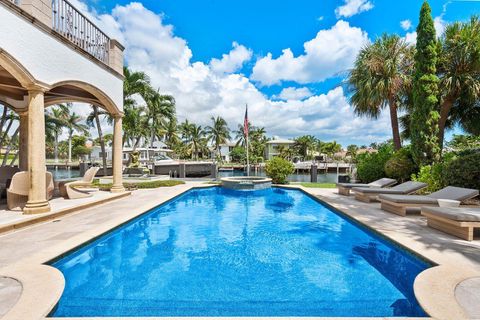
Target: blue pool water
[{"x": 217, "y": 252}]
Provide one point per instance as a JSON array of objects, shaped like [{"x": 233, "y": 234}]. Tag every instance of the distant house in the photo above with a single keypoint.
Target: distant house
[
  {"x": 271, "y": 149},
  {"x": 225, "y": 150}
]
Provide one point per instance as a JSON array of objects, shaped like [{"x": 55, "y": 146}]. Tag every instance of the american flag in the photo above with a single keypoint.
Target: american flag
[{"x": 245, "y": 122}]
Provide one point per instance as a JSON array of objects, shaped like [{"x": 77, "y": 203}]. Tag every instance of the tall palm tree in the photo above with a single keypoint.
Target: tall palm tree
[
  {"x": 305, "y": 145},
  {"x": 73, "y": 123},
  {"x": 170, "y": 133},
  {"x": 197, "y": 140},
  {"x": 160, "y": 109},
  {"x": 218, "y": 133},
  {"x": 380, "y": 78},
  {"x": 93, "y": 120},
  {"x": 55, "y": 121},
  {"x": 459, "y": 69},
  {"x": 134, "y": 82},
  {"x": 185, "y": 128}
]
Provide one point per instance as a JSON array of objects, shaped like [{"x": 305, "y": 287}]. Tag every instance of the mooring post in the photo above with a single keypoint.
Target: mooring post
[
  {"x": 213, "y": 171},
  {"x": 182, "y": 170},
  {"x": 313, "y": 173}
]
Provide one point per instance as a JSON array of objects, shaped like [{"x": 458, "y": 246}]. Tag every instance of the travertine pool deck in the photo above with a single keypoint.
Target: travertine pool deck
[{"x": 23, "y": 252}]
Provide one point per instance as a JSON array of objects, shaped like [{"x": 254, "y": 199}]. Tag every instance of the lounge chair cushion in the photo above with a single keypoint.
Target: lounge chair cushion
[
  {"x": 404, "y": 188},
  {"x": 454, "y": 193},
  {"x": 456, "y": 214},
  {"x": 402, "y": 198},
  {"x": 380, "y": 183}
]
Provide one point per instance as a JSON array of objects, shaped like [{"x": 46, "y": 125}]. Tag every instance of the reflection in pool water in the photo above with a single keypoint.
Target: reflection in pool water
[{"x": 218, "y": 252}]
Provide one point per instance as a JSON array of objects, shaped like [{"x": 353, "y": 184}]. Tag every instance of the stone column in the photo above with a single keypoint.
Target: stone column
[
  {"x": 117, "y": 155},
  {"x": 23, "y": 142},
  {"x": 37, "y": 198}
]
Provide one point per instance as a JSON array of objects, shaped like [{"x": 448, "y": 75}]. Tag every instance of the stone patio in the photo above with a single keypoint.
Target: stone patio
[{"x": 37, "y": 244}]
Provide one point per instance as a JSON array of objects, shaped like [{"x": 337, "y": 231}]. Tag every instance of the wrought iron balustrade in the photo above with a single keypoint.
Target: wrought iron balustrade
[{"x": 78, "y": 29}]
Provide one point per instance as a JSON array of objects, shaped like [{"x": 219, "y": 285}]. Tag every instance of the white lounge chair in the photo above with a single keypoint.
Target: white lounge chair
[
  {"x": 403, "y": 204},
  {"x": 80, "y": 188},
  {"x": 460, "y": 222},
  {"x": 371, "y": 194},
  {"x": 344, "y": 188},
  {"x": 17, "y": 193}
]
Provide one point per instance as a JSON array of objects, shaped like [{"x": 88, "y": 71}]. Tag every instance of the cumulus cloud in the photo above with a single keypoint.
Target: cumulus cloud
[
  {"x": 439, "y": 24},
  {"x": 232, "y": 61},
  {"x": 406, "y": 24},
  {"x": 215, "y": 88},
  {"x": 292, "y": 93},
  {"x": 330, "y": 52},
  {"x": 353, "y": 7}
]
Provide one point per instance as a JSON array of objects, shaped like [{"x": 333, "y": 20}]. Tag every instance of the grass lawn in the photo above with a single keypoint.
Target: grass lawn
[
  {"x": 141, "y": 185},
  {"x": 316, "y": 185}
]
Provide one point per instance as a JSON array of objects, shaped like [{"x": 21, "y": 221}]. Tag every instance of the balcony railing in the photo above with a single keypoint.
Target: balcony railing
[{"x": 78, "y": 29}]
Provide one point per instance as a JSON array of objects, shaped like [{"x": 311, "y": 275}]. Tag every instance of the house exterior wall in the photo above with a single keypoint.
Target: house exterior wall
[{"x": 51, "y": 61}]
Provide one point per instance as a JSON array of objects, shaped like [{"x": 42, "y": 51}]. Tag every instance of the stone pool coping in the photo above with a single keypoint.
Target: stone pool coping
[{"x": 42, "y": 285}]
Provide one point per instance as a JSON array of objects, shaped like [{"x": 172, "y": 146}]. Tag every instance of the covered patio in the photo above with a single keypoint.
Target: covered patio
[{"x": 53, "y": 56}]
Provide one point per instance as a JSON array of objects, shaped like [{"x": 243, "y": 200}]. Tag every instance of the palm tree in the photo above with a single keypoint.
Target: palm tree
[
  {"x": 73, "y": 123},
  {"x": 218, "y": 133},
  {"x": 54, "y": 124},
  {"x": 197, "y": 140},
  {"x": 160, "y": 109},
  {"x": 459, "y": 69},
  {"x": 240, "y": 134},
  {"x": 381, "y": 76},
  {"x": 305, "y": 145},
  {"x": 134, "y": 82},
  {"x": 185, "y": 129},
  {"x": 93, "y": 120},
  {"x": 170, "y": 133}
]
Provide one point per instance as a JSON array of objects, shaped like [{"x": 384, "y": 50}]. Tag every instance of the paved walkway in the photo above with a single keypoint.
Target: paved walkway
[{"x": 409, "y": 231}]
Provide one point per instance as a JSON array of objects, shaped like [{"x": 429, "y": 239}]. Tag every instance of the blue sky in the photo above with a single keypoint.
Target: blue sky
[{"x": 251, "y": 36}]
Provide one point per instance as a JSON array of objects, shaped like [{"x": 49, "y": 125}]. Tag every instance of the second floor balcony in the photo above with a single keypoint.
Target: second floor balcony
[{"x": 76, "y": 29}]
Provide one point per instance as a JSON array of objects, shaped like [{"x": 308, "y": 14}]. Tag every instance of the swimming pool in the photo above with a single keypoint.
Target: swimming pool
[{"x": 219, "y": 252}]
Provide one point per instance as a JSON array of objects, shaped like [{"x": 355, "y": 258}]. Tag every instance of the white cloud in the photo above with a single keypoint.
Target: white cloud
[
  {"x": 320, "y": 18},
  {"x": 202, "y": 90},
  {"x": 406, "y": 24},
  {"x": 292, "y": 93},
  {"x": 411, "y": 37},
  {"x": 232, "y": 61},
  {"x": 330, "y": 52},
  {"x": 353, "y": 7}
]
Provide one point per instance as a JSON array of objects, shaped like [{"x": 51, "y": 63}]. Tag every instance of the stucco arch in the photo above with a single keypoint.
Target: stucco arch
[
  {"x": 16, "y": 69},
  {"x": 55, "y": 95}
]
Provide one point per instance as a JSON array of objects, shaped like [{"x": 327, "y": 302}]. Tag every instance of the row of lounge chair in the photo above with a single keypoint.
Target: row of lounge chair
[{"x": 401, "y": 200}]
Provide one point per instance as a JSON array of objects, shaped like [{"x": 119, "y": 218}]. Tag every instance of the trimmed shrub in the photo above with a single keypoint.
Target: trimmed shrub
[
  {"x": 371, "y": 166},
  {"x": 400, "y": 166},
  {"x": 431, "y": 175},
  {"x": 278, "y": 170},
  {"x": 463, "y": 171}
]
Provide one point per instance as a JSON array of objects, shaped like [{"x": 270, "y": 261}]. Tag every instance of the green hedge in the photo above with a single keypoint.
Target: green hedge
[
  {"x": 142, "y": 185},
  {"x": 371, "y": 166},
  {"x": 400, "y": 166},
  {"x": 463, "y": 171}
]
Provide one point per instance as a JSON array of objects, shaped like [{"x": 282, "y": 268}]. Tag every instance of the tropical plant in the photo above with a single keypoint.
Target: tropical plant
[
  {"x": 371, "y": 166},
  {"x": 463, "y": 171},
  {"x": 93, "y": 120},
  {"x": 330, "y": 148},
  {"x": 73, "y": 123},
  {"x": 432, "y": 176},
  {"x": 238, "y": 155},
  {"x": 198, "y": 142},
  {"x": 305, "y": 146},
  {"x": 55, "y": 122},
  {"x": 380, "y": 78},
  {"x": 464, "y": 142},
  {"x": 279, "y": 169},
  {"x": 352, "y": 151},
  {"x": 424, "y": 118},
  {"x": 218, "y": 133},
  {"x": 459, "y": 70},
  {"x": 400, "y": 166},
  {"x": 160, "y": 110}
]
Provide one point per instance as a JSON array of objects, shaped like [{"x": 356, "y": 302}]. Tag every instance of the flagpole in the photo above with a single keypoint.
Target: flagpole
[{"x": 248, "y": 135}]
